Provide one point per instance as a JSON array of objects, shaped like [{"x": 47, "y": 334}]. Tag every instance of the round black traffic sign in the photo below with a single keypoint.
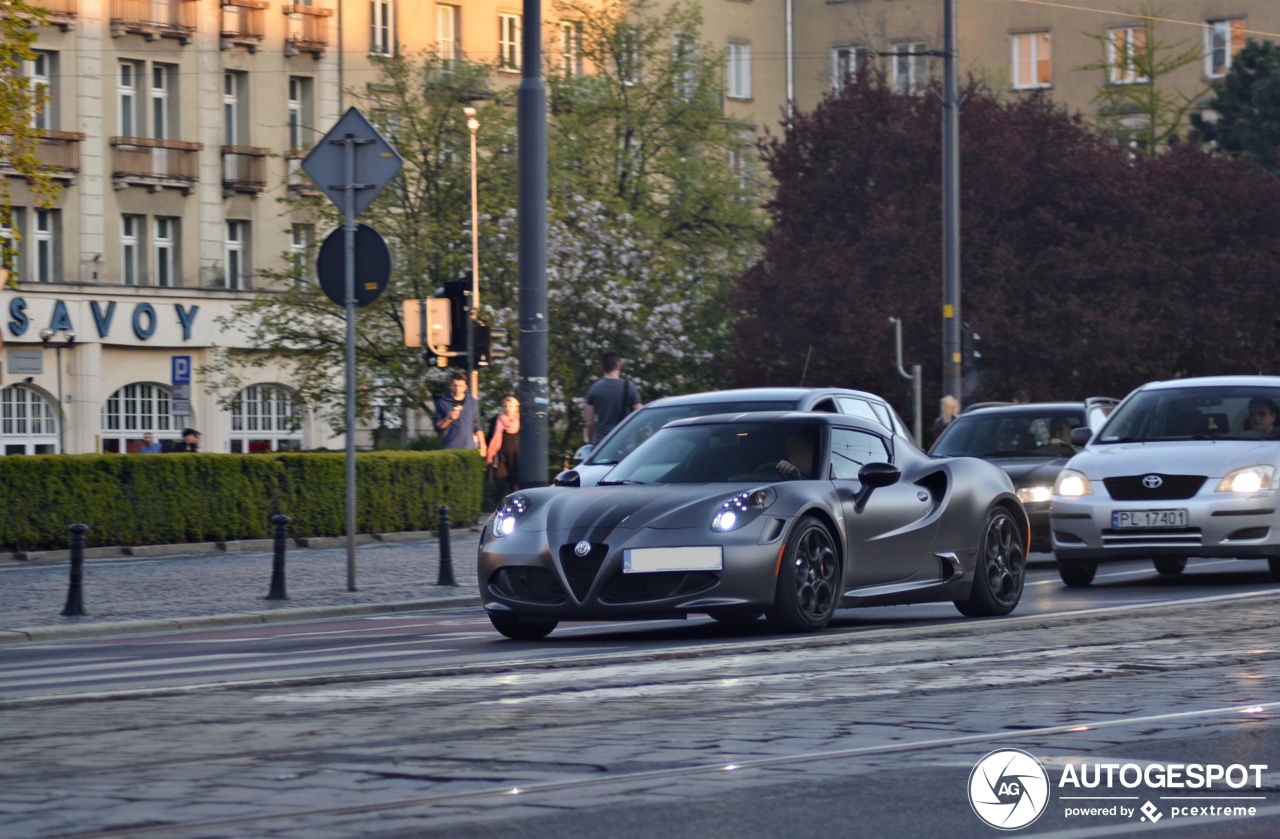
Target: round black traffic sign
[{"x": 373, "y": 265}]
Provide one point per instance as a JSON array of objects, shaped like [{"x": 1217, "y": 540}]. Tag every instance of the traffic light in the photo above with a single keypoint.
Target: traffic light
[
  {"x": 484, "y": 337},
  {"x": 969, "y": 345},
  {"x": 497, "y": 350},
  {"x": 458, "y": 293}
]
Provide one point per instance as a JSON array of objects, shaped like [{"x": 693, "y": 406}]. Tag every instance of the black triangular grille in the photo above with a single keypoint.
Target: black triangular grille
[{"x": 581, "y": 571}]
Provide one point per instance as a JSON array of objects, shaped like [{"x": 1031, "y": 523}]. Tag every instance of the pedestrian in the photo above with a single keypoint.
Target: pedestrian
[
  {"x": 149, "y": 444},
  {"x": 503, "y": 457},
  {"x": 948, "y": 407},
  {"x": 457, "y": 418},
  {"x": 610, "y": 399},
  {"x": 190, "y": 441},
  {"x": 1020, "y": 397}
]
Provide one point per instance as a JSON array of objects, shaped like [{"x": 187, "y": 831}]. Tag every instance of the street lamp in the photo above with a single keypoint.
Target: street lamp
[
  {"x": 474, "y": 125},
  {"x": 46, "y": 337}
]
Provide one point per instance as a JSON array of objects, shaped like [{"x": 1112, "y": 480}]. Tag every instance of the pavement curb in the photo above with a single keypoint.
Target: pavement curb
[{"x": 237, "y": 619}]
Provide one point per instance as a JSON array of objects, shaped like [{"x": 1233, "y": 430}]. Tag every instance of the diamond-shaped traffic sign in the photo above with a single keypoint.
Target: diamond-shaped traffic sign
[{"x": 376, "y": 162}]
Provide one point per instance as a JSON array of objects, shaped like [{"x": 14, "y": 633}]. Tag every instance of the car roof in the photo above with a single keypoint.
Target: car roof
[
  {"x": 1024, "y": 408},
  {"x": 1214, "y": 381},
  {"x": 783, "y": 417},
  {"x": 756, "y": 394}
]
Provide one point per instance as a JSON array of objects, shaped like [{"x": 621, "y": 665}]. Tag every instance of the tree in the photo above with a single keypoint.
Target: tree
[
  {"x": 20, "y": 105},
  {"x": 1134, "y": 107},
  {"x": 1085, "y": 273},
  {"x": 1246, "y": 107}
]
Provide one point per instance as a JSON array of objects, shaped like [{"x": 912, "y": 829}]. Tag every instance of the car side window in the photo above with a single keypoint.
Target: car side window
[
  {"x": 859, "y": 408},
  {"x": 824, "y": 406},
  {"x": 852, "y": 449}
]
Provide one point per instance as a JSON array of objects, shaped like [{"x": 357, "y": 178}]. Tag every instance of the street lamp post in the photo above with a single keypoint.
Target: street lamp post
[
  {"x": 46, "y": 337},
  {"x": 474, "y": 125}
]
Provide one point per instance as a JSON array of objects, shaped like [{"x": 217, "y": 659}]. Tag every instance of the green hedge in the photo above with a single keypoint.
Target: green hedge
[{"x": 168, "y": 499}]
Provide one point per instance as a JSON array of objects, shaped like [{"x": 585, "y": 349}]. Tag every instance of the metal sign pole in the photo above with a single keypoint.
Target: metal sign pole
[{"x": 349, "y": 212}]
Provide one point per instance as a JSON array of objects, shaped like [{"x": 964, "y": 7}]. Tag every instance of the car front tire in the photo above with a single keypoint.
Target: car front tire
[
  {"x": 809, "y": 581},
  {"x": 1077, "y": 574},
  {"x": 1170, "y": 566},
  {"x": 521, "y": 630},
  {"x": 1001, "y": 569}
]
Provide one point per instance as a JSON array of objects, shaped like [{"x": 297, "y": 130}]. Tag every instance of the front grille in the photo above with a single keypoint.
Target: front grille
[
  {"x": 530, "y": 584},
  {"x": 1172, "y": 487},
  {"x": 1186, "y": 537},
  {"x": 637, "y": 588},
  {"x": 581, "y": 571}
]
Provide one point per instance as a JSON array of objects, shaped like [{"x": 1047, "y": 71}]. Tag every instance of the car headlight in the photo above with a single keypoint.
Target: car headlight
[
  {"x": 741, "y": 509},
  {"x": 507, "y": 516},
  {"x": 1035, "y": 495},
  {"x": 1072, "y": 484},
  {"x": 1248, "y": 479}
]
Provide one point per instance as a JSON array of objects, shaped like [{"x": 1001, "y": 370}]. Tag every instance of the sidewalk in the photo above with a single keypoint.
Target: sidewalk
[{"x": 185, "y": 590}]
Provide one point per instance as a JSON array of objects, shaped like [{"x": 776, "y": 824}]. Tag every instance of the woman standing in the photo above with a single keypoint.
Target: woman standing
[{"x": 503, "y": 455}]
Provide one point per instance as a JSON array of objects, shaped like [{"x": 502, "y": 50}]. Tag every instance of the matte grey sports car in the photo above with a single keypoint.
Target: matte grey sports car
[{"x": 791, "y": 515}]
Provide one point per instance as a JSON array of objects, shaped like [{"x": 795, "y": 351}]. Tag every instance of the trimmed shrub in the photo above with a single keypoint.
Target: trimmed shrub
[{"x": 160, "y": 500}]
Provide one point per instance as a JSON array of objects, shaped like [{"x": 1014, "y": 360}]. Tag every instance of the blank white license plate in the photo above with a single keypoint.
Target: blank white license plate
[
  {"x": 652, "y": 560},
  {"x": 1123, "y": 519}
]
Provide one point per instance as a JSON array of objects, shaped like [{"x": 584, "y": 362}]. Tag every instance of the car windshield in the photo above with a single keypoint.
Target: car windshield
[
  {"x": 1010, "y": 434},
  {"x": 1239, "y": 412},
  {"x": 721, "y": 453},
  {"x": 638, "y": 427}
]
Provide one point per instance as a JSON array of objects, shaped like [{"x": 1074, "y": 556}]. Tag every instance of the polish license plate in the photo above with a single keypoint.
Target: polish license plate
[
  {"x": 1148, "y": 519},
  {"x": 654, "y": 560}
]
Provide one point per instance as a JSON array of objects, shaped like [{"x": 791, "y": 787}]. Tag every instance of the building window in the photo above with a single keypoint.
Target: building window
[
  {"x": 1223, "y": 40},
  {"x": 845, "y": 63},
  {"x": 127, "y": 100},
  {"x": 27, "y": 422},
  {"x": 301, "y": 113},
  {"x": 509, "y": 45},
  {"x": 134, "y": 410},
  {"x": 1126, "y": 48},
  {"x": 165, "y": 248},
  {"x": 234, "y": 128},
  {"x": 40, "y": 71},
  {"x": 237, "y": 255},
  {"x": 382, "y": 20},
  {"x": 909, "y": 71},
  {"x": 44, "y": 241},
  {"x": 161, "y": 112},
  {"x": 571, "y": 48},
  {"x": 130, "y": 242},
  {"x": 1031, "y": 60},
  {"x": 265, "y": 419},
  {"x": 448, "y": 25},
  {"x": 684, "y": 65},
  {"x": 301, "y": 237},
  {"x": 739, "y": 70}
]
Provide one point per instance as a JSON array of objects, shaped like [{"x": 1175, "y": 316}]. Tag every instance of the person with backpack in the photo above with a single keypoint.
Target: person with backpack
[{"x": 610, "y": 399}]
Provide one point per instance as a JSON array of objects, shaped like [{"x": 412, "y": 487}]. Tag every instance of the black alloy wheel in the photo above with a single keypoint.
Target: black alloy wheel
[
  {"x": 1077, "y": 574},
  {"x": 1001, "y": 570},
  {"x": 521, "y": 630},
  {"x": 1170, "y": 566},
  {"x": 809, "y": 582}
]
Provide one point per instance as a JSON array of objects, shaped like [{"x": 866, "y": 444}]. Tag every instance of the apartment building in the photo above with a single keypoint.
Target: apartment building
[{"x": 174, "y": 127}]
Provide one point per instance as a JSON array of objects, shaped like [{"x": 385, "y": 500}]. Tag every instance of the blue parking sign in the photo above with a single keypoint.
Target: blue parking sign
[{"x": 181, "y": 370}]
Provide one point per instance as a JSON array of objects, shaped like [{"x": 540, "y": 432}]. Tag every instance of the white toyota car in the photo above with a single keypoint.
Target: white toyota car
[{"x": 1183, "y": 468}]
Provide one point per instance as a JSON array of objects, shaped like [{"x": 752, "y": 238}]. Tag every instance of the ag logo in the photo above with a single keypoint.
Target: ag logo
[{"x": 1008, "y": 789}]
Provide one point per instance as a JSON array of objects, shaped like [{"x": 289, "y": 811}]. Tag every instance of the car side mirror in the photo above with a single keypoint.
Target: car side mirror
[
  {"x": 1080, "y": 436},
  {"x": 582, "y": 454},
  {"x": 568, "y": 478},
  {"x": 873, "y": 476}
]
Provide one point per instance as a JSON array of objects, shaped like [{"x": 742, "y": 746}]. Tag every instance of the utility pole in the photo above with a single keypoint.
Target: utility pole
[
  {"x": 952, "y": 361},
  {"x": 531, "y": 117}
]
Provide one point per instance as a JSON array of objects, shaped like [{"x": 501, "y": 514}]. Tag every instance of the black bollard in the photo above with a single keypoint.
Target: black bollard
[
  {"x": 446, "y": 560},
  {"x": 277, "y": 563},
  {"x": 75, "y": 594}
]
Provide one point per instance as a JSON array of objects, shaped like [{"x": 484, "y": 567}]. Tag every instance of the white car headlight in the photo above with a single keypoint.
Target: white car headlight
[
  {"x": 1248, "y": 479},
  {"x": 1072, "y": 484},
  {"x": 741, "y": 509},
  {"x": 507, "y": 516},
  {"x": 1035, "y": 495}
]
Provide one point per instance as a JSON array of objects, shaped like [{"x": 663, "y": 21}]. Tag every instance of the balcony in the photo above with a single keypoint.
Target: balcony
[
  {"x": 242, "y": 24},
  {"x": 59, "y": 13},
  {"x": 154, "y": 19},
  {"x": 56, "y": 151},
  {"x": 143, "y": 161},
  {"x": 308, "y": 30},
  {"x": 299, "y": 184},
  {"x": 244, "y": 169}
]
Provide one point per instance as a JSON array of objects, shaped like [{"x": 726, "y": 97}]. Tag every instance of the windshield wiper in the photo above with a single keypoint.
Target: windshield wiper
[
  {"x": 622, "y": 483},
  {"x": 602, "y": 463}
]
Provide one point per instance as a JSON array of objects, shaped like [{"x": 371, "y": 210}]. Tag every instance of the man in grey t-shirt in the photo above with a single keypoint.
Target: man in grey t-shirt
[{"x": 610, "y": 399}]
